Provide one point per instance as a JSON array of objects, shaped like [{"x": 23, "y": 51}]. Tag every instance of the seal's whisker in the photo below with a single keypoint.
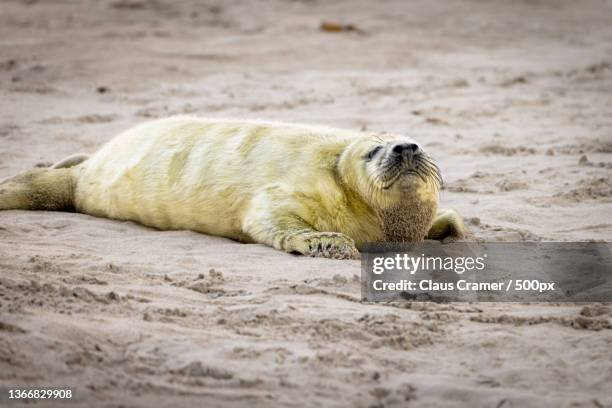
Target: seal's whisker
[{"x": 430, "y": 167}]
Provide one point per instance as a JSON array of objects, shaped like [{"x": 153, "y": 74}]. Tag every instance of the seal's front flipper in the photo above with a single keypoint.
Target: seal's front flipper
[
  {"x": 447, "y": 225},
  {"x": 280, "y": 228},
  {"x": 323, "y": 244}
]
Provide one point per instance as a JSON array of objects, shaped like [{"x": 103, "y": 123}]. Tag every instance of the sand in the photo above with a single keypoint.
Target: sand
[{"x": 513, "y": 99}]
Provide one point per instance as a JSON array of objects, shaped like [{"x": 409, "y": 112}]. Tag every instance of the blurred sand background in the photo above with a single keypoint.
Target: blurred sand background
[{"x": 514, "y": 99}]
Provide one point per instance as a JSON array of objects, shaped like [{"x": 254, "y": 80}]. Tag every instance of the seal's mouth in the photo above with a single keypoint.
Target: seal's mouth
[{"x": 406, "y": 161}]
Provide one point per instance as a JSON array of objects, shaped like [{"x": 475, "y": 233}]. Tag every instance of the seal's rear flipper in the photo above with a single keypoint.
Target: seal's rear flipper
[
  {"x": 39, "y": 189},
  {"x": 71, "y": 161},
  {"x": 447, "y": 224}
]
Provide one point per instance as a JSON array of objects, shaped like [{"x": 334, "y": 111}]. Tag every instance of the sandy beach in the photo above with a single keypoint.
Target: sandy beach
[{"x": 513, "y": 99}]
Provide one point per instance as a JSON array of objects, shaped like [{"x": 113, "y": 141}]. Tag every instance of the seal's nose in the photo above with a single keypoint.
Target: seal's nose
[{"x": 404, "y": 148}]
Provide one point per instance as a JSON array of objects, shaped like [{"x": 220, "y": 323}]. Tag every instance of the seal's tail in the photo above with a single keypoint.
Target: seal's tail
[{"x": 39, "y": 189}]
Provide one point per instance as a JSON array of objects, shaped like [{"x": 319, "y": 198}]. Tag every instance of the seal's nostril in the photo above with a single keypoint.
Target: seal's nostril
[
  {"x": 399, "y": 148},
  {"x": 410, "y": 147}
]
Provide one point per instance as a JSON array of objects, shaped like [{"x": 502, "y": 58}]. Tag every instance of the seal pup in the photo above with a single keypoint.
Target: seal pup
[{"x": 312, "y": 190}]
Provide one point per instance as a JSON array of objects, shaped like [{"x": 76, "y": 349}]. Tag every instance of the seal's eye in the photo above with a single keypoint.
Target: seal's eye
[{"x": 373, "y": 152}]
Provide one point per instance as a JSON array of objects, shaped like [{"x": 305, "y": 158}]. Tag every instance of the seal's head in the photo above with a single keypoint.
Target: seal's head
[{"x": 389, "y": 171}]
